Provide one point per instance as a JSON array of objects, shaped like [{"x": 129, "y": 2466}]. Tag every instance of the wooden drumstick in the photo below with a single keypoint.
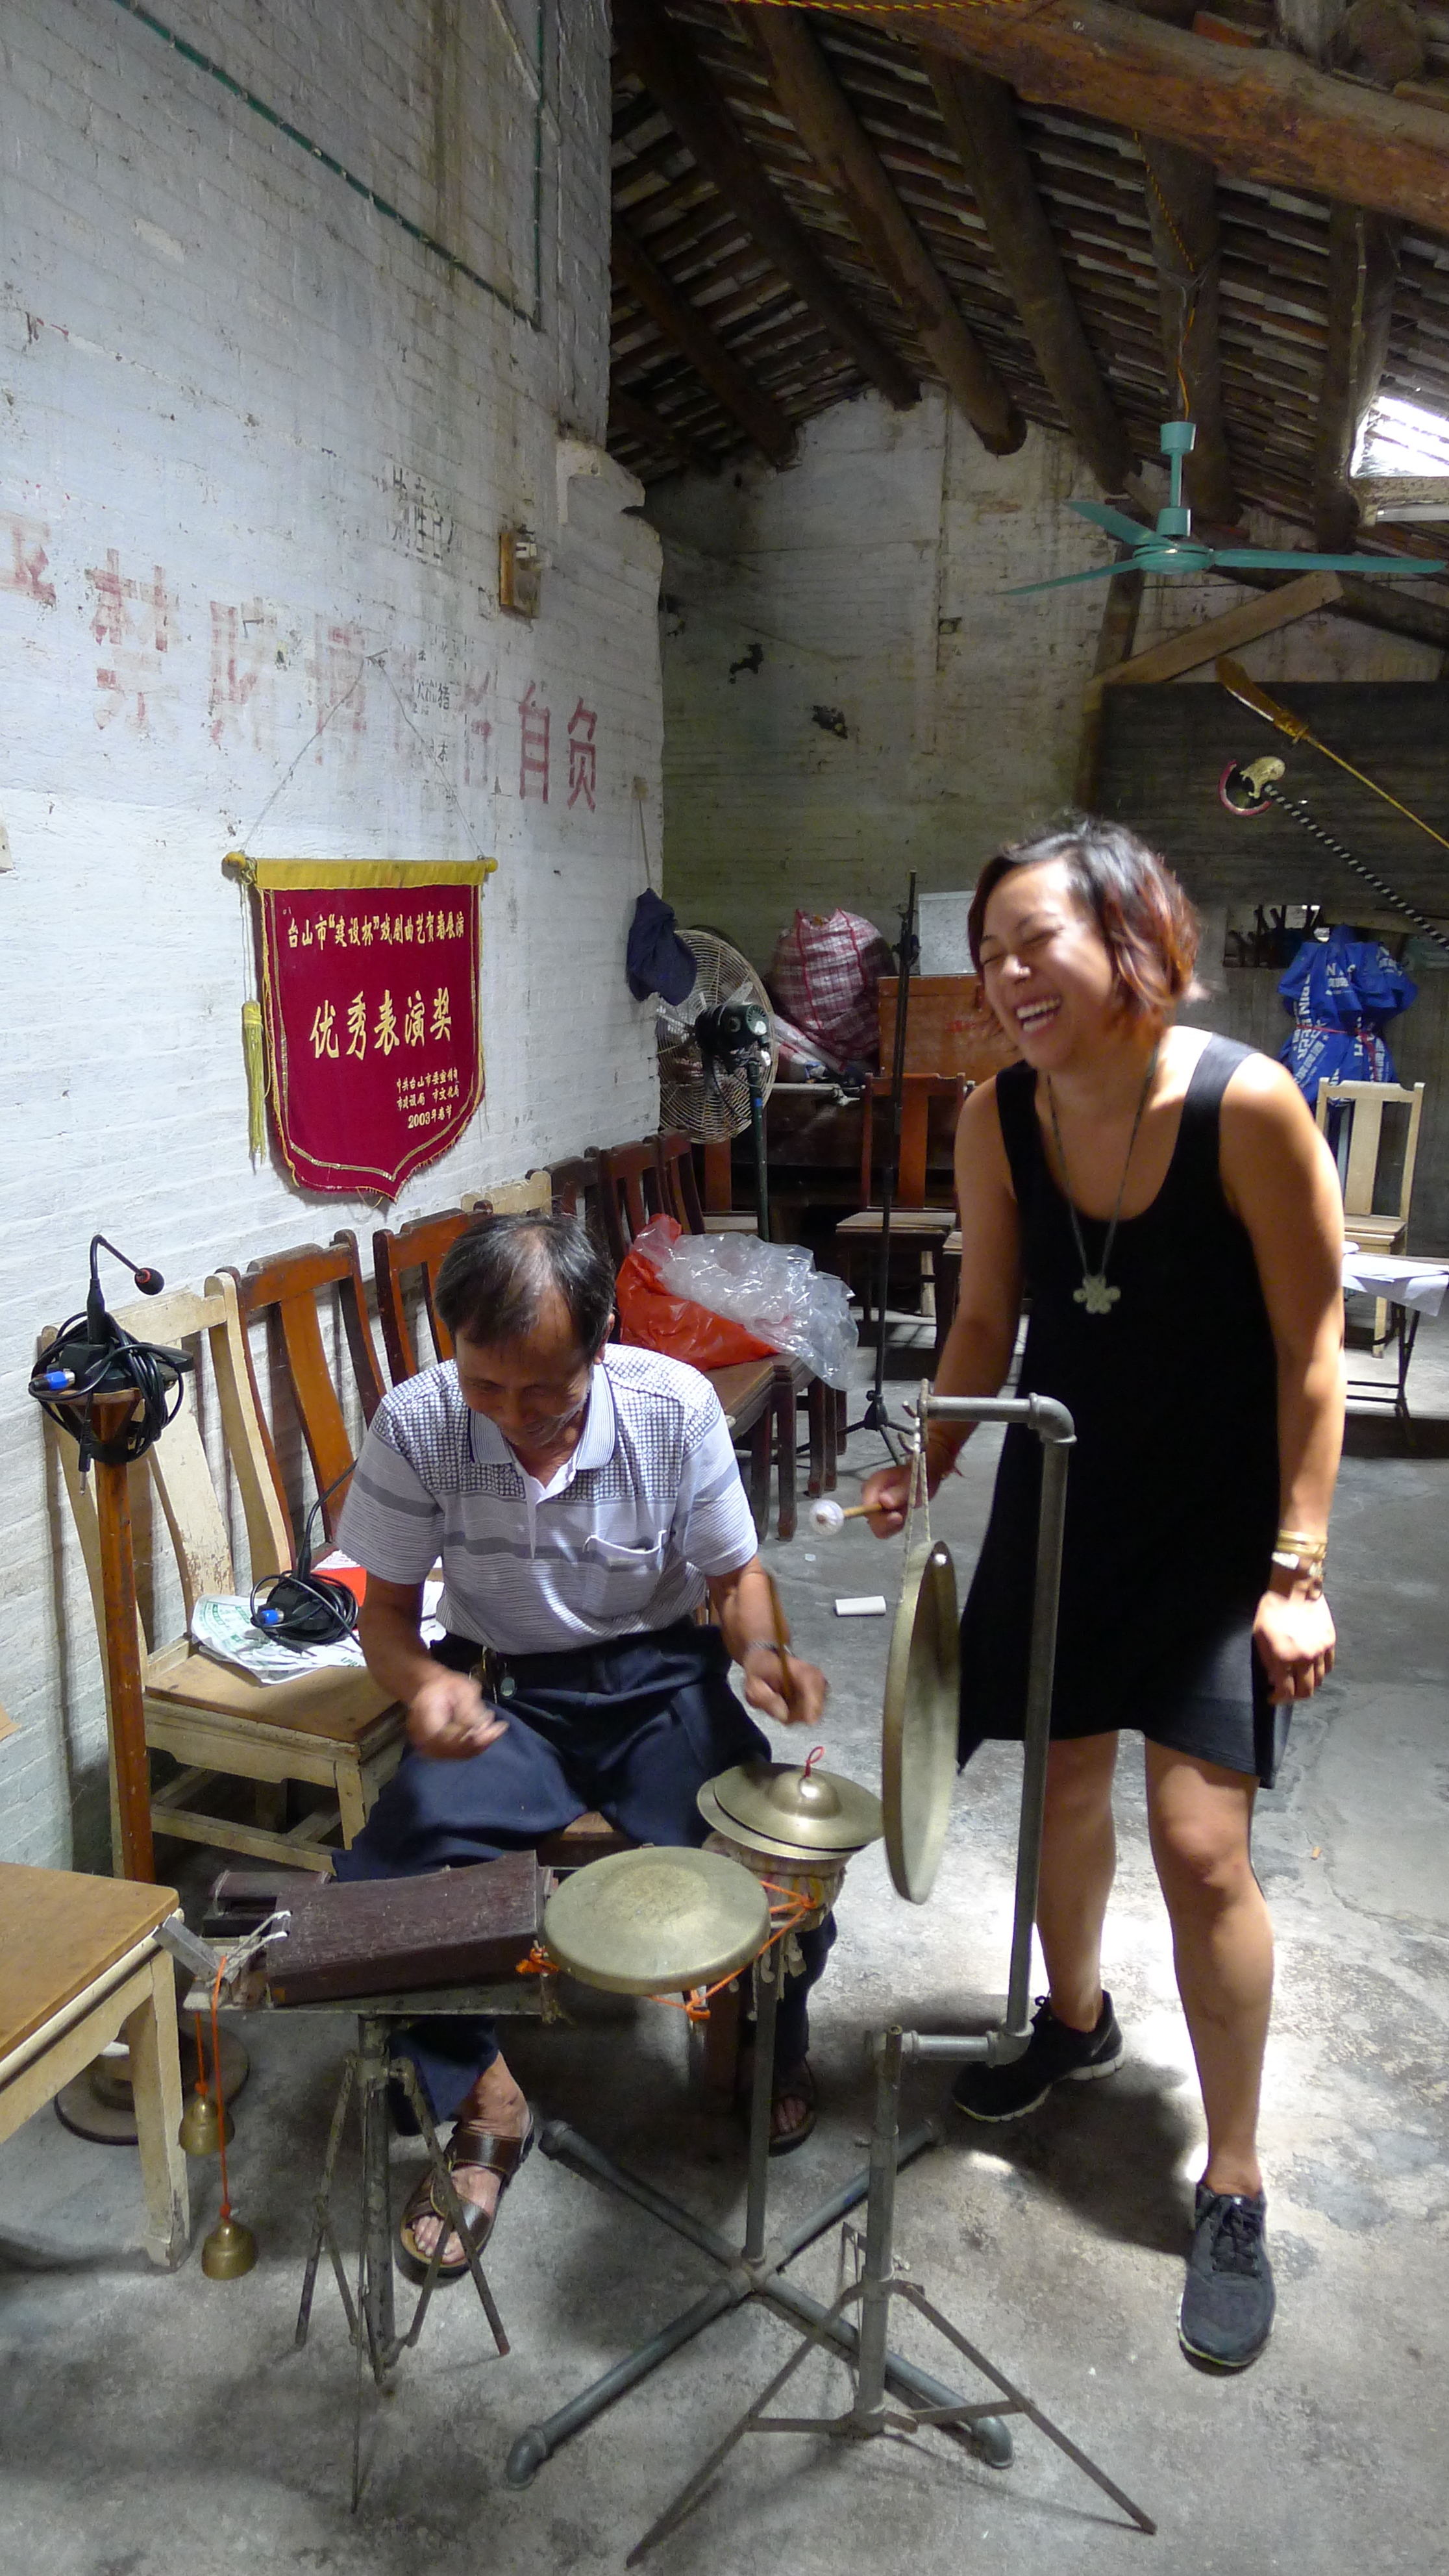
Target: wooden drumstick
[{"x": 782, "y": 1642}]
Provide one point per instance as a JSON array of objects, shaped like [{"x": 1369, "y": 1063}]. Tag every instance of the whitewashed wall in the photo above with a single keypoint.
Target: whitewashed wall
[
  {"x": 252, "y": 433},
  {"x": 903, "y": 712}
]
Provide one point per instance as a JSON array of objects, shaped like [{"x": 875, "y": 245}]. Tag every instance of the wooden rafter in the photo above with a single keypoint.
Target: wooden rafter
[
  {"x": 661, "y": 54},
  {"x": 1253, "y": 110},
  {"x": 1363, "y": 270},
  {"x": 759, "y": 416},
  {"x": 843, "y": 152},
  {"x": 1194, "y": 645},
  {"x": 626, "y": 412},
  {"x": 1182, "y": 212},
  {"x": 979, "y": 114}
]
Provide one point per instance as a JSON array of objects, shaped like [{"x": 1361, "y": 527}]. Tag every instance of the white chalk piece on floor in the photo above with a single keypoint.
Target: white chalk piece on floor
[{"x": 865, "y": 1605}]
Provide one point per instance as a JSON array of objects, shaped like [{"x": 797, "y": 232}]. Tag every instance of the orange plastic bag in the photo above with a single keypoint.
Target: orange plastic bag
[{"x": 654, "y": 1321}]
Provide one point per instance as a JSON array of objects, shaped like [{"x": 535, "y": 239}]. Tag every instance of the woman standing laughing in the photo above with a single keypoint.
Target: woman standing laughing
[{"x": 1166, "y": 1202}]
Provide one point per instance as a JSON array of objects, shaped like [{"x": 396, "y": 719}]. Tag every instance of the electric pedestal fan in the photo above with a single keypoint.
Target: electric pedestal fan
[{"x": 718, "y": 1051}]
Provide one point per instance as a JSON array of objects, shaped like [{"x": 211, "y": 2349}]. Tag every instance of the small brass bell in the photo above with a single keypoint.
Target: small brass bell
[
  {"x": 229, "y": 2250},
  {"x": 201, "y": 2131}
]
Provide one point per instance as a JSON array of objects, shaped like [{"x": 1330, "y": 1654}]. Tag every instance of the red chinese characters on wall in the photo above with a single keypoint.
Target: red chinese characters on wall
[{"x": 371, "y": 1002}]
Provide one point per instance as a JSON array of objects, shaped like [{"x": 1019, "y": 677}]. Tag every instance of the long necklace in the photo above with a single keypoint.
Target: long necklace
[{"x": 1094, "y": 1292}]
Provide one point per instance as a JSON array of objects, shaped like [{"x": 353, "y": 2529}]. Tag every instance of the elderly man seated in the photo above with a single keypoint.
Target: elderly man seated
[{"x": 583, "y": 1498}]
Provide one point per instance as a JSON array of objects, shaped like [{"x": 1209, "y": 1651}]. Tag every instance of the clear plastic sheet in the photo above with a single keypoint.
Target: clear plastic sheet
[{"x": 774, "y": 1289}]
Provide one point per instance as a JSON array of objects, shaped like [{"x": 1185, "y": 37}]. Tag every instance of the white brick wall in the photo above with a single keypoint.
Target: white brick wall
[
  {"x": 870, "y": 575},
  {"x": 252, "y": 432}
]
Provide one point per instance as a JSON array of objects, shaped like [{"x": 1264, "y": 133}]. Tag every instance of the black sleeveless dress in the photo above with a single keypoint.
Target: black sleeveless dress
[{"x": 1172, "y": 1489}]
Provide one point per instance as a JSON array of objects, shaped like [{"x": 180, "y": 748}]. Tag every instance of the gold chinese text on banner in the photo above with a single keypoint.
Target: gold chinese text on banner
[{"x": 370, "y": 998}]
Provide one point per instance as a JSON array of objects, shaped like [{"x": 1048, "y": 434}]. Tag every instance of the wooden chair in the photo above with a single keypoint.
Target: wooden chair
[
  {"x": 532, "y": 1196},
  {"x": 673, "y": 1191},
  {"x": 1363, "y": 1105},
  {"x": 416, "y": 1250},
  {"x": 282, "y": 1291},
  {"x": 80, "y": 1965},
  {"x": 919, "y": 1228},
  {"x": 1360, "y": 1146},
  {"x": 757, "y": 1396},
  {"x": 334, "y": 1728}
]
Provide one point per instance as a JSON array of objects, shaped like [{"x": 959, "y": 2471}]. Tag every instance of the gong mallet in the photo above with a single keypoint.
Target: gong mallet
[{"x": 828, "y": 1517}]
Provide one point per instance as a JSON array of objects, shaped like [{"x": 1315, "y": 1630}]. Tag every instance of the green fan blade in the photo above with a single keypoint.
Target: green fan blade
[
  {"x": 1116, "y": 523},
  {"x": 1065, "y": 581},
  {"x": 1252, "y": 558}
]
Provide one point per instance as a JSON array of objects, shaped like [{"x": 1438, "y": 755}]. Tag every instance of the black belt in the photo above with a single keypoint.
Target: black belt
[{"x": 499, "y": 1676}]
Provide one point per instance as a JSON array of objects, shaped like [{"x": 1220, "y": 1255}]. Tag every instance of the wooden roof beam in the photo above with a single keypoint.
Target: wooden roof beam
[
  {"x": 1255, "y": 111},
  {"x": 979, "y": 114},
  {"x": 837, "y": 142},
  {"x": 682, "y": 322},
  {"x": 1182, "y": 211},
  {"x": 1363, "y": 270},
  {"x": 661, "y": 54},
  {"x": 626, "y": 412}
]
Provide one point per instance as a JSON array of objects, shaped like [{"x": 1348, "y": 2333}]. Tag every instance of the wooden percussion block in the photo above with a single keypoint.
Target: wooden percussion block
[{"x": 370, "y": 1936}]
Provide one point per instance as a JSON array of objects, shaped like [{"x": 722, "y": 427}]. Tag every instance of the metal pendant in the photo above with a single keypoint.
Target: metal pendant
[{"x": 1095, "y": 1294}]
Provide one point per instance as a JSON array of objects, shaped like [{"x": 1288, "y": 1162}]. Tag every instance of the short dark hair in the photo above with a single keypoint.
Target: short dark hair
[
  {"x": 1147, "y": 924},
  {"x": 494, "y": 1281}
]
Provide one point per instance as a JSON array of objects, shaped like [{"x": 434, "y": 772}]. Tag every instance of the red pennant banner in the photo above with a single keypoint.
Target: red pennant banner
[{"x": 370, "y": 993}]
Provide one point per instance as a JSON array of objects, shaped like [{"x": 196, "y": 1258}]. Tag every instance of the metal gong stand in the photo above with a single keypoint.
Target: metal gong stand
[
  {"x": 755, "y": 2269},
  {"x": 919, "y": 1759}
]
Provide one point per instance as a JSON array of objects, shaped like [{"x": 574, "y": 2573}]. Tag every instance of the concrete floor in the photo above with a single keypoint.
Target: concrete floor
[{"x": 152, "y": 2426}]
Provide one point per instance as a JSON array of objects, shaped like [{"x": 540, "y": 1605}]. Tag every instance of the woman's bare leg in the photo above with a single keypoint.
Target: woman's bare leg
[
  {"x": 1199, "y": 1816},
  {"x": 1078, "y": 1861}
]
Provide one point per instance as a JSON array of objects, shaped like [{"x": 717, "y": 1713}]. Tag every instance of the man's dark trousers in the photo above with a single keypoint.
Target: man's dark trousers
[{"x": 633, "y": 1728}]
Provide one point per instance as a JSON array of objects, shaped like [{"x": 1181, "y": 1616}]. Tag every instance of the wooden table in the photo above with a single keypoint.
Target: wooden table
[{"x": 80, "y": 1965}]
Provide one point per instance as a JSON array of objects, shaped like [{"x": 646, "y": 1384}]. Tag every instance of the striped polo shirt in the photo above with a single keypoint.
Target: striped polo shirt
[{"x": 647, "y": 1506}]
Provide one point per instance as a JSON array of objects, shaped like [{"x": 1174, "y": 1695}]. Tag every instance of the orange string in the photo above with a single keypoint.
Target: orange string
[
  {"x": 695, "y": 2005},
  {"x": 225, "y": 2210}
]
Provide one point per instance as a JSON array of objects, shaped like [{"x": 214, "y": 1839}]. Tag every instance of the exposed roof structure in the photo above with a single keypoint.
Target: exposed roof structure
[{"x": 807, "y": 200}]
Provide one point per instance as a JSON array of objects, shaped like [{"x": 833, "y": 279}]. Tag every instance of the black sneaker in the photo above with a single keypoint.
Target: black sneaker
[
  {"x": 1226, "y": 2314},
  {"x": 1054, "y": 2054}
]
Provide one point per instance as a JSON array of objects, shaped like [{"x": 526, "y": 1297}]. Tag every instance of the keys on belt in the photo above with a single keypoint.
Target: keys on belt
[{"x": 493, "y": 1677}]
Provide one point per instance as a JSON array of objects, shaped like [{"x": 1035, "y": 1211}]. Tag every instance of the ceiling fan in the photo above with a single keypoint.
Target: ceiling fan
[{"x": 1171, "y": 547}]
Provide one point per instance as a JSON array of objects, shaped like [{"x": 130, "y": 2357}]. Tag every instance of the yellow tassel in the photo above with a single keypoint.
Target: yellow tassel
[{"x": 254, "y": 1051}]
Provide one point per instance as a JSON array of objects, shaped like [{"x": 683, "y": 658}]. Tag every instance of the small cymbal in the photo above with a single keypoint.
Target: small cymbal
[{"x": 803, "y": 1810}]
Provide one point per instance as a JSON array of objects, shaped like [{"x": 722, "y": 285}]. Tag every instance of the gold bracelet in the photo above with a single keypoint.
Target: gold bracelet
[{"x": 1302, "y": 1542}]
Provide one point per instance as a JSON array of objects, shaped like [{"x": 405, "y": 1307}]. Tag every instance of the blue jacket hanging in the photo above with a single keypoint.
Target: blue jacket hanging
[{"x": 1341, "y": 991}]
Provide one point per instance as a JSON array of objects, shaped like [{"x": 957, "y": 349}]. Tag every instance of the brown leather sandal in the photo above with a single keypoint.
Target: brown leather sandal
[
  {"x": 795, "y": 2084},
  {"x": 470, "y": 2144}
]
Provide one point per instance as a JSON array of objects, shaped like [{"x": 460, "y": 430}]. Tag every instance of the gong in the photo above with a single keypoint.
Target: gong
[
  {"x": 657, "y": 1921},
  {"x": 922, "y": 1722}
]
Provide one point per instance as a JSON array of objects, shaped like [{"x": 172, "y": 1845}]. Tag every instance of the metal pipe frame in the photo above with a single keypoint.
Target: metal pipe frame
[
  {"x": 876, "y": 2369},
  {"x": 750, "y": 2271}
]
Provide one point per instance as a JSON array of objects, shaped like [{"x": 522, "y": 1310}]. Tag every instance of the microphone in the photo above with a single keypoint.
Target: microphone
[{"x": 150, "y": 1282}]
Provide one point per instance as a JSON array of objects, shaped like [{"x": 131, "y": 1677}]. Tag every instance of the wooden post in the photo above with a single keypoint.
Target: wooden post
[
  {"x": 110, "y": 1414},
  {"x": 1114, "y": 642}
]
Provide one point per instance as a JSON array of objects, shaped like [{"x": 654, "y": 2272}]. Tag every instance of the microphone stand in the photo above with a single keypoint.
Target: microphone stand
[{"x": 876, "y": 1416}]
